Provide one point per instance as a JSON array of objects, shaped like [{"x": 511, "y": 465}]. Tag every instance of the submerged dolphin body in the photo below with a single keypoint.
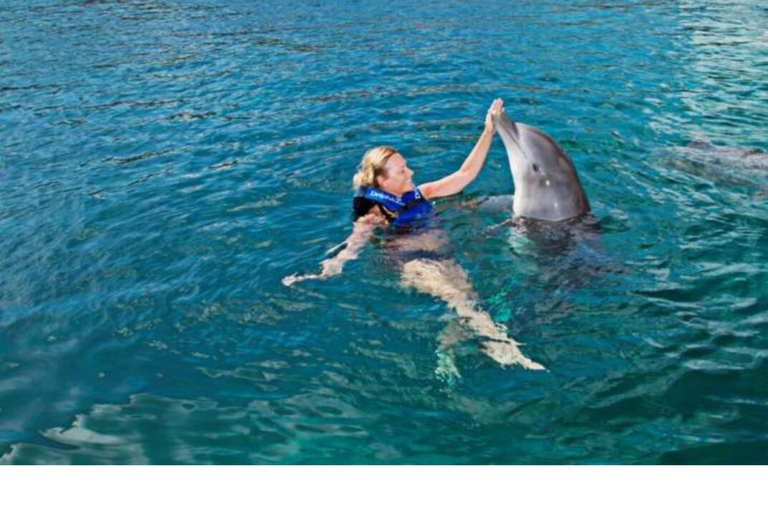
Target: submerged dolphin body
[{"x": 546, "y": 184}]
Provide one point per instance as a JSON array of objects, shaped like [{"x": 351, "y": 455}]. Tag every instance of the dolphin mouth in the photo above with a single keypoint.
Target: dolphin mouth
[
  {"x": 505, "y": 124},
  {"x": 508, "y": 131}
]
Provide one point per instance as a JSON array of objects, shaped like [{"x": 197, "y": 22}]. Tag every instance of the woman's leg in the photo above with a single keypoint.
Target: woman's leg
[{"x": 447, "y": 280}]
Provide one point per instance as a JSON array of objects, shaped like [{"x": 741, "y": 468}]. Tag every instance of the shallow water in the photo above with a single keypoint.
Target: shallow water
[{"x": 164, "y": 164}]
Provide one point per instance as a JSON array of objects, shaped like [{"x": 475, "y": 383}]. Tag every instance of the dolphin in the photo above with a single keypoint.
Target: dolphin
[
  {"x": 740, "y": 166},
  {"x": 546, "y": 184}
]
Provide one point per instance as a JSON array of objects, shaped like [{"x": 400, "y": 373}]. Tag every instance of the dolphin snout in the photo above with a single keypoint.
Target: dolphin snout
[{"x": 504, "y": 124}]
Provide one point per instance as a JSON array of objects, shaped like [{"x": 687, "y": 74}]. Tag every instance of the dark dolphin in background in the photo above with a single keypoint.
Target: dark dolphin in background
[
  {"x": 546, "y": 184},
  {"x": 727, "y": 165}
]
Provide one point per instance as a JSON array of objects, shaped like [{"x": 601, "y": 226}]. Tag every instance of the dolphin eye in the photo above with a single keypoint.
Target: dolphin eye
[{"x": 536, "y": 167}]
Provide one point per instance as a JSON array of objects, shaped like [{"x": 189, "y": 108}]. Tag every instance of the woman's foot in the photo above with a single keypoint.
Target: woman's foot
[{"x": 507, "y": 354}]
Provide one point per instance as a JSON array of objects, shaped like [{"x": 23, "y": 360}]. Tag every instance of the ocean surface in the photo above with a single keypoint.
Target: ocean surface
[{"x": 164, "y": 164}]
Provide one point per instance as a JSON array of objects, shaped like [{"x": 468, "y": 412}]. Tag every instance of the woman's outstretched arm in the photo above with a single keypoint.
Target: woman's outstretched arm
[
  {"x": 455, "y": 183},
  {"x": 361, "y": 232}
]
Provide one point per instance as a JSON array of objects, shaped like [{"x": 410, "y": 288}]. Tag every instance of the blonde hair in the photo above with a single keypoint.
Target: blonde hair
[{"x": 372, "y": 166}]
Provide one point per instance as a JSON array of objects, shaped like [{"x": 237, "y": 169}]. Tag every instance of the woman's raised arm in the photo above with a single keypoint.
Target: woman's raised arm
[{"x": 455, "y": 183}]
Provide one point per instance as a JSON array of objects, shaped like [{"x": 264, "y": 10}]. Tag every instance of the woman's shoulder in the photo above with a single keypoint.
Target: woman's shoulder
[
  {"x": 426, "y": 190},
  {"x": 364, "y": 208}
]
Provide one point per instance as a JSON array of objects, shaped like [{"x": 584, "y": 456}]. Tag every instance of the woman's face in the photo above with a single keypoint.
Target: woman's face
[{"x": 398, "y": 178}]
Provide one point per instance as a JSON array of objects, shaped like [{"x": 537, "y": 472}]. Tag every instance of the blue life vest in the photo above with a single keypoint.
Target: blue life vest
[{"x": 399, "y": 211}]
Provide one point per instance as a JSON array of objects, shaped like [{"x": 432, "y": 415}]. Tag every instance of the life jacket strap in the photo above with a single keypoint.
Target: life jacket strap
[{"x": 390, "y": 205}]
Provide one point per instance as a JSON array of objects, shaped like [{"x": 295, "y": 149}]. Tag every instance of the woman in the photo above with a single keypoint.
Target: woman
[{"x": 386, "y": 196}]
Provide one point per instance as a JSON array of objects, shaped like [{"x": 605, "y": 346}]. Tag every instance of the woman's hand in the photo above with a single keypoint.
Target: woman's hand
[
  {"x": 496, "y": 107},
  {"x": 294, "y": 278},
  {"x": 331, "y": 267}
]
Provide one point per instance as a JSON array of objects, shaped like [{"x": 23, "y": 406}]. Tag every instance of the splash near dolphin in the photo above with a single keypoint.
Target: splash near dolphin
[{"x": 547, "y": 186}]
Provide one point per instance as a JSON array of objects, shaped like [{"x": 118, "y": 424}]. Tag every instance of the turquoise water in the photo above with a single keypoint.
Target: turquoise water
[{"x": 164, "y": 164}]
